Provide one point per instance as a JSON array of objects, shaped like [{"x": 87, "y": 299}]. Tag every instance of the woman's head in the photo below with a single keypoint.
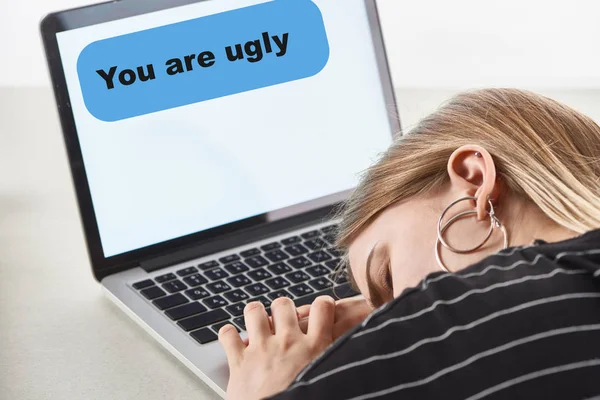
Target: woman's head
[{"x": 536, "y": 159}]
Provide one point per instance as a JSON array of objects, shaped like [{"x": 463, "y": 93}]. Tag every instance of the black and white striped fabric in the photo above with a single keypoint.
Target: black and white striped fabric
[{"x": 522, "y": 324}]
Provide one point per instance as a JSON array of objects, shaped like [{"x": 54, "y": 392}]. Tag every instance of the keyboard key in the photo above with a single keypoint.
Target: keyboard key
[
  {"x": 315, "y": 244},
  {"x": 217, "y": 327},
  {"x": 260, "y": 274},
  {"x": 319, "y": 256},
  {"x": 165, "y": 278},
  {"x": 185, "y": 311},
  {"x": 277, "y": 283},
  {"x": 280, "y": 293},
  {"x": 239, "y": 281},
  {"x": 204, "y": 319},
  {"x": 276, "y": 256},
  {"x": 236, "y": 267},
  {"x": 329, "y": 239},
  {"x": 311, "y": 234},
  {"x": 187, "y": 271},
  {"x": 340, "y": 292},
  {"x": 291, "y": 240},
  {"x": 256, "y": 262},
  {"x": 311, "y": 297},
  {"x": 317, "y": 270},
  {"x": 236, "y": 309},
  {"x": 296, "y": 250},
  {"x": 250, "y": 253},
  {"x": 321, "y": 283},
  {"x": 344, "y": 291},
  {"x": 204, "y": 336},
  {"x": 279, "y": 268},
  {"x": 153, "y": 293},
  {"x": 229, "y": 259},
  {"x": 297, "y": 277},
  {"x": 301, "y": 290},
  {"x": 334, "y": 252},
  {"x": 216, "y": 274},
  {"x": 271, "y": 246},
  {"x": 332, "y": 264},
  {"x": 236, "y": 295},
  {"x": 240, "y": 322},
  {"x": 265, "y": 302},
  {"x": 174, "y": 286},
  {"x": 256, "y": 289},
  {"x": 195, "y": 280},
  {"x": 339, "y": 277},
  {"x": 174, "y": 300},
  {"x": 218, "y": 287},
  {"x": 299, "y": 262},
  {"x": 143, "y": 284},
  {"x": 329, "y": 229},
  {"x": 215, "y": 302},
  {"x": 197, "y": 294},
  {"x": 208, "y": 265}
]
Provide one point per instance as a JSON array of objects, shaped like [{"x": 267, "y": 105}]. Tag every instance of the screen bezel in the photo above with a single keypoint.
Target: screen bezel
[{"x": 109, "y": 11}]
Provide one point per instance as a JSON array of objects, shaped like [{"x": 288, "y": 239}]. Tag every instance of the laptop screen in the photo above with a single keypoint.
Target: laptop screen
[{"x": 202, "y": 115}]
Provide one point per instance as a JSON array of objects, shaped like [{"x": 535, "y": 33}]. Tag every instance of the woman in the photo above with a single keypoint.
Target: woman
[{"x": 476, "y": 239}]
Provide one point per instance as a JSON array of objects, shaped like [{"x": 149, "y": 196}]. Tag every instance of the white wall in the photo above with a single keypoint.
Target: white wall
[
  {"x": 431, "y": 43},
  {"x": 467, "y": 43}
]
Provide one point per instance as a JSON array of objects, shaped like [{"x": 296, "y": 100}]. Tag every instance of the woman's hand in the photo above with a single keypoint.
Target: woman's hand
[
  {"x": 275, "y": 352},
  {"x": 348, "y": 313}
]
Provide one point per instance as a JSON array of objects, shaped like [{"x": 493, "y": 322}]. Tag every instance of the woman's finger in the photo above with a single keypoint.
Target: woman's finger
[
  {"x": 303, "y": 325},
  {"x": 348, "y": 314},
  {"x": 285, "y": 318},
  {"x": 232, "y": 343},
  {"x": 320, "y": 320},
  {"x": 303, "y": 311},
  {"x": 257, "y": 322}
]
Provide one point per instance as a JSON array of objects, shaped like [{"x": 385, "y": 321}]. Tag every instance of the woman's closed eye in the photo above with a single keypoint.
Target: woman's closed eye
[
  {"x": 379, "y": 281},
  {"x": 387, "y": 283},
  {"x": 384, "y": 283}
]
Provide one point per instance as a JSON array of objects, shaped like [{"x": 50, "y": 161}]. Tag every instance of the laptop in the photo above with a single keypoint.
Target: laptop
[{"x": 210, "y": 145}]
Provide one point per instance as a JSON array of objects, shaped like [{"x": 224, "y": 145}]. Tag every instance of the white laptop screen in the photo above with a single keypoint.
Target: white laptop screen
[{"x": 202, "y": 115}]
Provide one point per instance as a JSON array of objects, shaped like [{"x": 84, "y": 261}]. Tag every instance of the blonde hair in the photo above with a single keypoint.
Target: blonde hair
[{"x": 544, "y": 151}]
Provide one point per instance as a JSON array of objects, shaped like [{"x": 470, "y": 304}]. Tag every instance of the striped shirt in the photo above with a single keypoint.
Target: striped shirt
[{"x": 521, "y": 324}]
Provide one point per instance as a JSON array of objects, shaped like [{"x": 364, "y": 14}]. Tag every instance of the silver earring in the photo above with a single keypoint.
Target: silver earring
[{"x": 494, "y": 223}]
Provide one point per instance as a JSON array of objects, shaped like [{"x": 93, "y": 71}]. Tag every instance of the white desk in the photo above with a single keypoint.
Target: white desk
[{"x": 60, "y": 338}]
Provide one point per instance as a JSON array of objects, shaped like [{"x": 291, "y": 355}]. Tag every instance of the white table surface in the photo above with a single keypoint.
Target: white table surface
[{"x": 60, "y": 338}]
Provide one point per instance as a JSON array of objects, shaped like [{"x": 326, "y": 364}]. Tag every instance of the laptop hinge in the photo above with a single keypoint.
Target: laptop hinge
[{"x": 241, "y": 238}]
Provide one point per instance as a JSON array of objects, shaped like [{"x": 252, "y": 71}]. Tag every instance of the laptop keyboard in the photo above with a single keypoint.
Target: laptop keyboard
[{"x": 202, "y": 298}]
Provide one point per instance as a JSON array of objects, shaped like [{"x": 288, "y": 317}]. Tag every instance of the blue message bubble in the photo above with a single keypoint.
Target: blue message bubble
[{"x": 202, "y": 59}]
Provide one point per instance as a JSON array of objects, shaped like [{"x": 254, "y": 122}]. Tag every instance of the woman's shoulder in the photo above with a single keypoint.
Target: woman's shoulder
[{"x": 509, "y": 297}]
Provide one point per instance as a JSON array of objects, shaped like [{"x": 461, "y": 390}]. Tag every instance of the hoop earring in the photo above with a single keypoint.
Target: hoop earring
[{"x": 494, "y": 223}]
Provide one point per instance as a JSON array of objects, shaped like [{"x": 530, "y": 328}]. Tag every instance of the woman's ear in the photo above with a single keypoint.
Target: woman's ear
[{"x": 472, "y": 171}]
